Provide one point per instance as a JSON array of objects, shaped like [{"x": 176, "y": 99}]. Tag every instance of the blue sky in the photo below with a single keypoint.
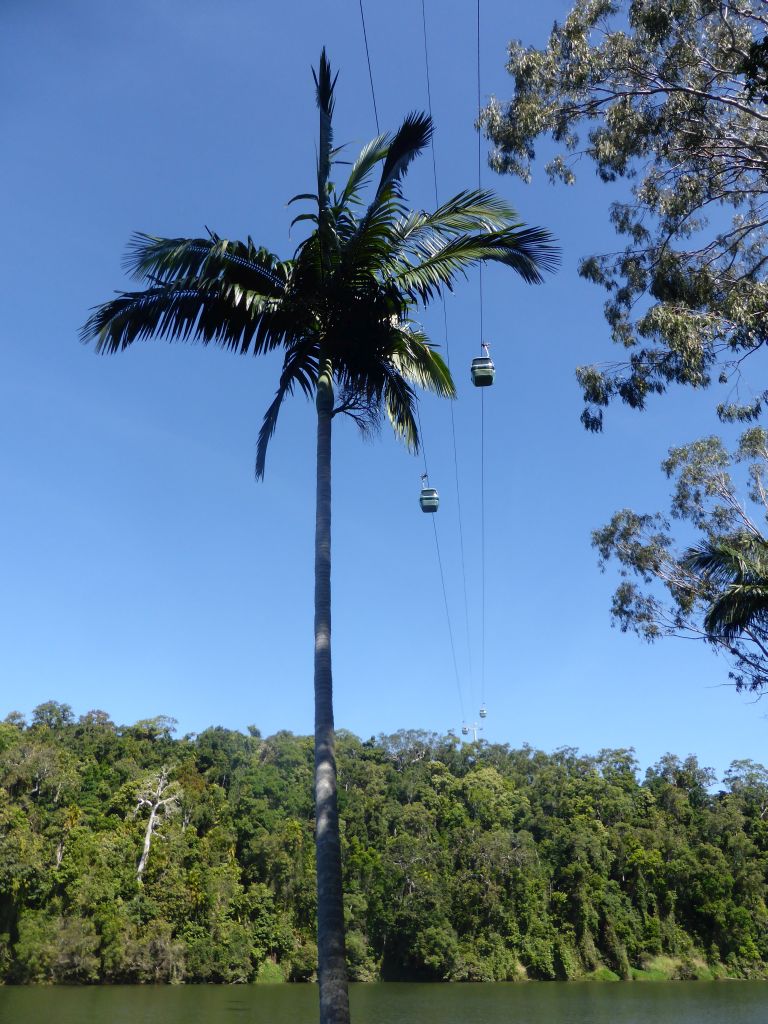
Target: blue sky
[{"x": 144, "y": 570}]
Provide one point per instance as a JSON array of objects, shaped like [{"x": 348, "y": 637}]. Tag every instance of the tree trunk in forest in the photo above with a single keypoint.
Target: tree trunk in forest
[
  {"x": 160, "y": 795},
  {"x": 147, "y": 843},
  {"x": 332, "y": 966}
]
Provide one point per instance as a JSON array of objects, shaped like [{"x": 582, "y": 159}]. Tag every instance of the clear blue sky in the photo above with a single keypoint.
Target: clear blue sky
[{"x": 143, "y": 569}]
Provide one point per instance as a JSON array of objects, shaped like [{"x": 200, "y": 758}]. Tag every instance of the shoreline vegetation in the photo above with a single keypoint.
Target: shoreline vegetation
[{"x": 131, "y": 856}]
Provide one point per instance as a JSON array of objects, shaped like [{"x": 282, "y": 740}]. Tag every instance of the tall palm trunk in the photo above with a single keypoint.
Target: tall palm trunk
[{"x": 332, "y": 967}]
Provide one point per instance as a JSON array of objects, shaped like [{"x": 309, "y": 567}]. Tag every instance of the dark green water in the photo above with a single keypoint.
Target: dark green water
[{"x": 575, "y": 1003}]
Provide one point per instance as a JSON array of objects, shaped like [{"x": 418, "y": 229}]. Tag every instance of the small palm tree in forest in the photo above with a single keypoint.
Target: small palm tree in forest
[
  {"x": 738, "y": 575},
  {"x": 341, "y": 311}
]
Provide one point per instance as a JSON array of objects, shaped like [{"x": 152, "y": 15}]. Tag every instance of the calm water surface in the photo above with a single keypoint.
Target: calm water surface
[{"x": 575, "y": 1003}]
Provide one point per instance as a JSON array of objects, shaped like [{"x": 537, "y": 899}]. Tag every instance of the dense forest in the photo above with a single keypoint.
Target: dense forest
[{"x": 127, "y": 855}]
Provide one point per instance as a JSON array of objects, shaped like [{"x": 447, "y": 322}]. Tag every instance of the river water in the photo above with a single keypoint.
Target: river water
[{"x": 695, "y": 1002}]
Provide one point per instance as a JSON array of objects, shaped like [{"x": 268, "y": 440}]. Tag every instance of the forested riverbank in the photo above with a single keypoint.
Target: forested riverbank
[{"x": 127, "y": 855}]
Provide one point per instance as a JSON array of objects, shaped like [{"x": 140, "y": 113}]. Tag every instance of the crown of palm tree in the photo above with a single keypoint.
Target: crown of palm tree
[
  {"x": 739, "y": 574},
  {"x": 346, "y": 298}
]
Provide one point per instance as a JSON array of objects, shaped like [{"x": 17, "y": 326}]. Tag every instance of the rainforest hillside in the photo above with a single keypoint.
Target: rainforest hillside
[{"x": 128, "y": 855}]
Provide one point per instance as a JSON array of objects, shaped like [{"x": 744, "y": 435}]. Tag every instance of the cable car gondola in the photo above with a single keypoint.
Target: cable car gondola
[
  {"x": 483, "y": 712},
  {"x": 483, "y": 371},
  {"x": 429, "y": 499}
]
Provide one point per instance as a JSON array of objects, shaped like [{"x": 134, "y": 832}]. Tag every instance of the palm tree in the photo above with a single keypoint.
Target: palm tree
[
  {"x": 341, "y": 310},
  {"x": 738, "y": 575}
]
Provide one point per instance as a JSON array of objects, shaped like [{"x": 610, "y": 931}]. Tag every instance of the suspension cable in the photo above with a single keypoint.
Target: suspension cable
[
  {"x": 442, "y": 576},
  {"x": 418, "y": 414},
  {"x": 482, "y": 546},
  {"x": 482, "y": 397},
  {"x": 370, "y": 73},
  {"x": 448, "y": 361}
]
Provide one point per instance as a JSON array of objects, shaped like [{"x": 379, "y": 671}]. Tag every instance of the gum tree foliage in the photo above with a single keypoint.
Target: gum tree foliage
[
  {"x": 668, "y": 588},
  {"x": 671, "y": 96}
]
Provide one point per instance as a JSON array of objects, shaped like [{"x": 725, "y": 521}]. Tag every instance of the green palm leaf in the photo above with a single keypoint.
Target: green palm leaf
[
  {"x": 411, "y": 138},
  {"x": 189, "y": 311},
  {"x": 418, "y": 362},
  {"x": 740, "y": 574},
  {"x": 164, "y": 260},
  {"x": 434, "y": 263},
  {"x": 469, "y": 211},
  {"x": 400, "y": 403},
  {"x": 359, "y": 176},
  {"x": 299, "y": 367},
  {"x": 324, "y": 86}
]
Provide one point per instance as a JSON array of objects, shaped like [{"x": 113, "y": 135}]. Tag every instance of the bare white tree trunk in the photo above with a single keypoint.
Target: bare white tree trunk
[{"x": 161, "y": 796}]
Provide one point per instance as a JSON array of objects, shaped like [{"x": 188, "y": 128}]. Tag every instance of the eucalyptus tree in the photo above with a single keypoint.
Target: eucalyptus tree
[
  {"x": 669, "y": 95},
  {"x": 716, "y": 588},
  {"x": 342, "y": 311}
]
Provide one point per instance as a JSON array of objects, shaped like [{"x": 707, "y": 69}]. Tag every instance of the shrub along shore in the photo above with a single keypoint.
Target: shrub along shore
[{"x": 128, "y": 855}]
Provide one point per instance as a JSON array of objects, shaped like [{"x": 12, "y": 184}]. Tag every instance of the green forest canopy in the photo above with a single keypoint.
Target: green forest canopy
[{"x": 464, "y": 862}]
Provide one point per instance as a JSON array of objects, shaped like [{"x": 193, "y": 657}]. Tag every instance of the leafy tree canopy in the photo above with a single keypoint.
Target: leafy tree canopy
[
  {"x": 669, "y": 589},
  {"x": 670, "y": 95},
  {"x": 462, "y": 862}
]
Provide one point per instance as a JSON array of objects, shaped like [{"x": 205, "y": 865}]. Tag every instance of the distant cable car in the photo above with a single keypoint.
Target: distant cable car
[
  {"x": 482, "y": 369},
  {"x": 465, "y": 730},
  {"x": 483, "y": 712},
  {"x": 429, "y": 499}
]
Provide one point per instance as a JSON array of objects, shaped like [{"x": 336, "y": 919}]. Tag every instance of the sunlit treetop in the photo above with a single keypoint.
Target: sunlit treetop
[{"x": 669, "y": 94}]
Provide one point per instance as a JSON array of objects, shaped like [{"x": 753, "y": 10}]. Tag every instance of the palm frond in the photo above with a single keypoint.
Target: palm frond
[
  {"x": 721, "y": 564},
  {"x": 401, "y": 148},
  {"x": 400, "y": 402},
  {"x": 311, "y": 217},
  {"x": 740, "y": 573},
  {"x": 737, "y": 609},
  {"x": 368, "y": 244},
  {"x": 324, "y": 87},
  {"x": 302, "y": 197},
  {"x": 371, "y": 154},
  {"x": 470, "y": 211},
  {"x": 300, "y": 366},
  {"x": 434, "y": 263},
  {"x": 413, "y": 135},
  {"x": 185, "y": 311},
  {"x": 164, "y": 260},
  {"x": 418, "y": 362}
]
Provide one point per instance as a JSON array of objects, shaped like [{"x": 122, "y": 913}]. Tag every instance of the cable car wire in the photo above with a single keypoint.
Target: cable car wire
[
  {"x": 448, "y": 361},
  {"x": 442, "y": 576},
  {"x": 482, "y": 548},
  {"x": 482, "y": 394},
  {"x": 418, "y": 412},
  {"x": 370, "y": 73}
]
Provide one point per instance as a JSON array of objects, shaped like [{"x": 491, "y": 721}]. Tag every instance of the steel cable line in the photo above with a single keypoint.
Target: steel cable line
[
  {"x": 421, "y": 432},
  {"x": 482, "y": 396},
  {"x": 370, "y": 73},
  {"x": 448, "y": 361},
  {"x": 442, "y": 575}
]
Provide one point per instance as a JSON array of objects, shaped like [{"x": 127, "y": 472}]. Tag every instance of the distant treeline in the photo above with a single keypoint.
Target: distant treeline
[{"x": 129, "y": 856}]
